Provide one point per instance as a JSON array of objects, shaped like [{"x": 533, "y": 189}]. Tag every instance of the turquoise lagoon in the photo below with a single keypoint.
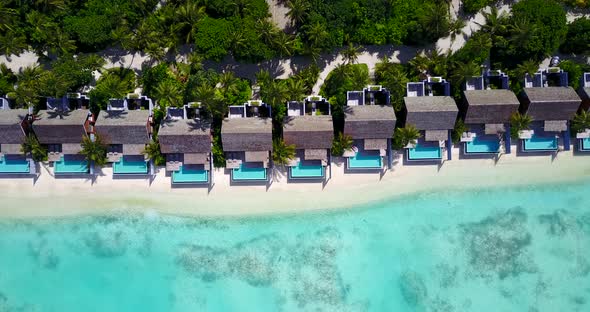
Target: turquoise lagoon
[{"x": 504, "y": 249}]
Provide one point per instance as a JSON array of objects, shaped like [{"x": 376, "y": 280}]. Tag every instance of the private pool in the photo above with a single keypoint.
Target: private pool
[
  {"x": 130, "y": 166},
  {"x": 540, "y": 144},
  {"x": 18, "y": 165},
  {"x": 585, "y": 144},
  {"x": 248, "y": 173},
  {"x": 303, "y": 171},
  {"x": 70, "y": 165},
  {"x": 482, "y": 146},
  {"x": 188, "y": 174},
  {"x": 365, "y": 161},
  {"x": 422, "y": 152}
]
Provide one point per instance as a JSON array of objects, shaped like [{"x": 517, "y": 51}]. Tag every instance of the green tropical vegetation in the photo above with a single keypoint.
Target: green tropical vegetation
[
  {"x": 32, "y": 147},
  {"x": 341, "y": 143},
  {"x": 518, "y": 123},
  {"x": 152, "y": 152},
  {"x": 282, "y": 153},
  {"x": 404, "y": 136},
  {"x": 459, "y": 129},
  {"x": 94, "y": 151},
  {"x": 581, "y": 122}
]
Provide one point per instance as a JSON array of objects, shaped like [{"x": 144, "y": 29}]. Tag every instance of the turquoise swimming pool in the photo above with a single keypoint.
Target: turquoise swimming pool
[
  {"x": 585, "y": 144},
  {"x": 246, "y": 173},
  {"x": 130, "y": 166},
  {"x": 190, "y": 175},
  {"x": 365, "y": 161},
  {"x": 302, "y": 171},
  {"x": 70, "y": 165},
  {"x": 482, "y": 146},
  {"x": 13, "y": 165},
  {"x": 421, "y": 152},
  {"x": 540, "y": 143}
]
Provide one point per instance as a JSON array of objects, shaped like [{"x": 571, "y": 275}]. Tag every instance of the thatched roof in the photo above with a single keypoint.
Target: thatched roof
[
  {"x": 436, "y": 135},
  {"x": 431, "y": 112},
  {"x": 490, "y": 106},
  {"x": 375, "y": 144},
  {"x": 369, "y": 121},
  {"x": 196, "y": 158},
  {"x": 316, "y": 154},
  {"x": 60, "y": 127},
  {"x": 11, "y": 131},
  {"x": 551, "y": 103},
  {"x": 185, "y": 136},
  {"x": 123, "y": 127},
  {"x": 246, "y": 134},
  {"x": 309, "y": 132},
  {"x": 555, "y": 125}
]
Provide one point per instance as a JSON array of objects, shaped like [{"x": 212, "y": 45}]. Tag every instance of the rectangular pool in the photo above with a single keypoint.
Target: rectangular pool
[
  {"x": 422, "y": 152},
  {"x": 70, "y": 165},
  {"x": 130, "y": 166},
  {"x": 18, "y": 165},
  {"x": 585, "y": 144},
  {"x": 248, "y": 173},
  {"x": 482, "y": 146},
  {"x": 365, "y": 161},
  {"x": 302, "y": 171},
  {"x": 540, "y": 143},
  {"x": 188, "y": 174}
]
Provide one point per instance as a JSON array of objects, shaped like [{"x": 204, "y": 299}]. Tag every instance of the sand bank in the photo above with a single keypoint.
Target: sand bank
[{"x": 48, "y": 197}]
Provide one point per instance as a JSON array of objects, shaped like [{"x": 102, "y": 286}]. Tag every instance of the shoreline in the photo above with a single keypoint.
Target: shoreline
[{"x": 50, "y": 198}]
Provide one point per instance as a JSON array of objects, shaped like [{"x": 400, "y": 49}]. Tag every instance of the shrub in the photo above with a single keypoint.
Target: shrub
[{"x": 578, "y": 36}]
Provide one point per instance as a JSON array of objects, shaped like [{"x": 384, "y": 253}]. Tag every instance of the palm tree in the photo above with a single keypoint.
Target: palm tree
[
  {"x": 187, "y": 15},
  {"x": 281, "y": 152},
  {"x": 458, "y": 131},
  {"x": 263, "y": 77},
  {"x": 581, "y": 122},
  {"x": 31, "y": 146},
  {"x": 494, "y": 22},
  {"x": 403, "y": 137},
  {"x": 457, "y": 28},
  {"x": 114, "y": 86},
  {"x": 12, "y": 44},
  {"x": 266, "y": 31},
  {"x": 227, "y": 81},
  {"x": 169, "y": 94},
  {"x": 295, "y": 89},
  {"x": 464, "y": 71},
  {"x": 211, "y": 101},
  {"x": 518, "y": 123},
  {"x": 298, "y": 11},
  {"x": 316, "y": 33},
  {"x": 94, "y": 151},
  {"x": 282, "y": 43},
  {"x": 152, "y": 152},
  {"x": 6, "y": 16},
  {"x": 341, "y": 143},
  {"x": 351, "y": 53},
  {"x": 521, "y": 33},
  {"x": 527, "y": 67}
]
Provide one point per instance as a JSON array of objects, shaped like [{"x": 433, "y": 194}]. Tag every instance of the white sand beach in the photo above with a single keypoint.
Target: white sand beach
[{"x": 50, "y": 197}]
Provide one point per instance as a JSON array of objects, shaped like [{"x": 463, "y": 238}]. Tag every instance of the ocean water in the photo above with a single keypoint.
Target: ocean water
[{"x": 505, "y": 249}]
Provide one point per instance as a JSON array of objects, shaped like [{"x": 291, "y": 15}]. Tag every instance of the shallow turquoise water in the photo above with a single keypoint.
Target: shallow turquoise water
[{"x": 519, "y": 249}]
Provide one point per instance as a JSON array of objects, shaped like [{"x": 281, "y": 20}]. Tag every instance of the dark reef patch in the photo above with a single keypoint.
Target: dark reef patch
[{"x": 499, "y": 245}]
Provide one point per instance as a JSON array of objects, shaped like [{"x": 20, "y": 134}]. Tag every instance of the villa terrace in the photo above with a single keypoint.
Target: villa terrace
[{"x": 186, "y": 144}]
